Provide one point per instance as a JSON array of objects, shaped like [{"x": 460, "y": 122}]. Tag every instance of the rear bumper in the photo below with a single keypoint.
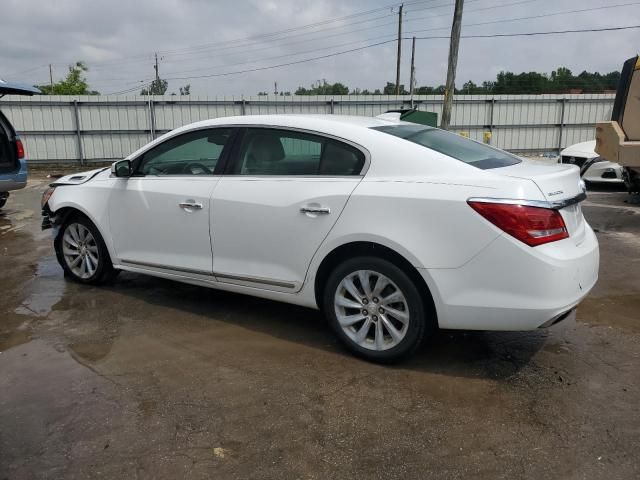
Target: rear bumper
[
  {"x": 510, "y": 286},
  {"x": 14, "y": 180}
]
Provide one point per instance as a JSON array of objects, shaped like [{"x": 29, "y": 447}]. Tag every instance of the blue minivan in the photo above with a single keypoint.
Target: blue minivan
[{"x": 13, "y": 166}]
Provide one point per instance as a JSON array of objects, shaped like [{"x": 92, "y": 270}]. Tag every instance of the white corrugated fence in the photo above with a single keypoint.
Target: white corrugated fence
[{"x": 89, "y": 129}]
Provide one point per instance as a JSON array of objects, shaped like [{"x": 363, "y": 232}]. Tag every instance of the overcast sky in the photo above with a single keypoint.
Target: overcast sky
[{"x": 117, "y": 38}]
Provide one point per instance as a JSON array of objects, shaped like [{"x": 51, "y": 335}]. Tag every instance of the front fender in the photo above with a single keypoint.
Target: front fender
[{"x": 68, "y": 199}]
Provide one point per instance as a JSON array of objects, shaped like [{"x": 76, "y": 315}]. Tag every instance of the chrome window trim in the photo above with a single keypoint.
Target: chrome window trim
[
  {"x": 554, "y": 205},
  {"x": 363, "y": 150}
]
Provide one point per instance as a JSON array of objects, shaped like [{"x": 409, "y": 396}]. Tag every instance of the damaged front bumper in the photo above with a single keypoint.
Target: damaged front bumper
[{"x": 49, "y": 220}]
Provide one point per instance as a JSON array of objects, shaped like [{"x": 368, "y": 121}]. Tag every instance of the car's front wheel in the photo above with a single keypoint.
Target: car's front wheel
[
  {"x": 82, "y": 253},
  {"x": 375, "y": 308}
]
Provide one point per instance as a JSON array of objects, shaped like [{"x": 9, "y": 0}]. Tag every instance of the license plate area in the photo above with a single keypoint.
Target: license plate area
[{"x": 574, "y": 220}]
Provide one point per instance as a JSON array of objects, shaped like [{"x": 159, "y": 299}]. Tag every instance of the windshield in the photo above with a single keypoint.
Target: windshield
[{"x": 455, "y": 146}]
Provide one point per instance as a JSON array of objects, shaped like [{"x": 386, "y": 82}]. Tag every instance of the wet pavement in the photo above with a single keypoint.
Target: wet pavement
[{"x": 147, "y": 378}]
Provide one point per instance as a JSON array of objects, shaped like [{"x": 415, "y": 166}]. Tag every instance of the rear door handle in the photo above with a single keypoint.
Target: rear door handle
[
  {"x": 316, "y": 210},
  {"x": 190, "y": 205}
]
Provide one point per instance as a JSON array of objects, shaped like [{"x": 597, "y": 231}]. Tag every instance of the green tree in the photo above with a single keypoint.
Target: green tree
[
  {"x": 74, "y": 83},
  {"x": 390, "y": 89},
  {"x": 324, "y": 88},
  {"x": 186, "y": 90},
  {"x": 157, "y": 87}
]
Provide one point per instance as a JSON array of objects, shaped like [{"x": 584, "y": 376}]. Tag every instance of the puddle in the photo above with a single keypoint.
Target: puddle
[
  {"x": 45, "y": 291},
  {"x": 90, "y": 351},
  {"x": 612, "y": 310},
  {"x": 13, "y": 338}
]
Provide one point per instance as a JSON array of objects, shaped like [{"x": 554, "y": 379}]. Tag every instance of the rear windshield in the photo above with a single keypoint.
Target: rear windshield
[{"x": 453, "y": 145}]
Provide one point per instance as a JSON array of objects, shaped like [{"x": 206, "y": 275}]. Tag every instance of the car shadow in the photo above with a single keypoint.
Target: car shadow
[{"x": 477, "y": 354}]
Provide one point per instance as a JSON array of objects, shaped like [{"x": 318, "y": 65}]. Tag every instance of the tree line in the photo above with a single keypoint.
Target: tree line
[{"x": 561, "y": 80}]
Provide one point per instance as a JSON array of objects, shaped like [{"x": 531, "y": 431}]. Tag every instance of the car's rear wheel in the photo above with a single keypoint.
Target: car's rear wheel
[
  {"x": 3, "y": 199},
  {"x": 82, "y": 253},
  {"x": 375, "y": 308}
]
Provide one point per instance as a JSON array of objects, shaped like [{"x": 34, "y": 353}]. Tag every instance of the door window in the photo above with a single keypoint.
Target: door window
[
  {"x": 282, "y": 152},
  {"x": 194, "y": 153}
]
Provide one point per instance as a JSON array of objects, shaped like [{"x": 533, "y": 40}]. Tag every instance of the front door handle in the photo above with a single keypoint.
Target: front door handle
[
  {"x": 316, "y": 210},
  {"x": 190, "y": 205}
]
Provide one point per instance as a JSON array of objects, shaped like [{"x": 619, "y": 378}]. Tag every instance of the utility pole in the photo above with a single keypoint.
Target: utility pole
[
  {"x": 50, "y": 76},
  {"x": 275, "y": 88},
  {"x": 453, "y": 62},
  {"x": 412, "y": 77},
  {"x": 156, "y": 69},
  {"x": 399, "y": 49}
]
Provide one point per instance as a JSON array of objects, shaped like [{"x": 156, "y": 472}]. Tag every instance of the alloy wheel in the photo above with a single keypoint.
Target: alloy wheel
[
  {"x": 80, "y": 250},
  {"x": 371, "y": 310}
]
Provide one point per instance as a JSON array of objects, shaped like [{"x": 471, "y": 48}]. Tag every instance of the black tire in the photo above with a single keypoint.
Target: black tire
[
  {"x": 104, "y": 271},
  {"x": 3, "y": 199},
  {"x": 418, "y": 325}
]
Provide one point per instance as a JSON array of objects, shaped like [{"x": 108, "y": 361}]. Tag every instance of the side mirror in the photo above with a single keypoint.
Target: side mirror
[{"x": 121, "y": 169}]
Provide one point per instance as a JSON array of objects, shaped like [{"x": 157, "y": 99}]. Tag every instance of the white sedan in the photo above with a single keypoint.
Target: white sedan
[
  {"x": 593, "y": 168},
  {"x": 392, "y": 229}
]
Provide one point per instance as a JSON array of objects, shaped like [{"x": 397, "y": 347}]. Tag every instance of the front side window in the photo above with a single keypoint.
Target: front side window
[
  {"x": 266, "y": 151},
  {"x": 193, "y": 153},
  {"x": 452, "y": 145}
]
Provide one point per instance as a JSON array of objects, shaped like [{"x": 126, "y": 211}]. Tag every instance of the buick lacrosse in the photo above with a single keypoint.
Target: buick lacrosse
[{"x": 392, "y": 229}]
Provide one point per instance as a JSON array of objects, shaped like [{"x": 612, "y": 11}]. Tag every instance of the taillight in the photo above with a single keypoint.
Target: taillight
[
  {"x": 531, "y": 225},
  {"x": 19, "y": 148}
]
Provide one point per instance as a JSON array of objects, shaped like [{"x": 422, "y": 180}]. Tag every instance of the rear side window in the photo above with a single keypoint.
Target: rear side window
[
  {"x": 452, "y": 145},
  {"x": 265, "y": 151}
]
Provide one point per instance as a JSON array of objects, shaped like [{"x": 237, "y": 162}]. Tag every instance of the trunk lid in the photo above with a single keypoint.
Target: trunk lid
[{"x": 557, "y": 182}]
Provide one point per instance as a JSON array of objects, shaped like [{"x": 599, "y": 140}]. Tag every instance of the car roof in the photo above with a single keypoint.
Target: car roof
[
  {"x": 17, "y": 88},
  {"x": 345, "y": 126},
  {"x": 292, "y": 120},
  {"x": 353, "y": 128}
]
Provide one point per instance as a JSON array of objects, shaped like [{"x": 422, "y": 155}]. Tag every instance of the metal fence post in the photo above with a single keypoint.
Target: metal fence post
[
  {"x": 493, "y": 106},
  {"x": 331, "y": 106},
  {"x": 78, "y": 132},
  {"x": 562, "y": 107},
  {"x": 152, "y": 118},
  {"x": 243, "y": 106}
]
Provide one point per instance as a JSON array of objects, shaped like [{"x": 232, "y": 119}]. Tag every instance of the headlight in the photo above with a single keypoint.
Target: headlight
[{"x": 46, "y": 196}]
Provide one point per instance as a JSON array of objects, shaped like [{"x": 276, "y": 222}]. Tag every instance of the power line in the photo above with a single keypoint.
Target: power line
[
  {"x": 254, "y": 50},
  {"x": 532, "y": 17},
  {"x": 416, "y": 31},
  {"x": 334, "y": 54},
  {"x": 311, "y": 25},
  {"x": 217, "y": 45},
  {"x": 530, "y": 34},
  {"x": 204, "y": 49}
]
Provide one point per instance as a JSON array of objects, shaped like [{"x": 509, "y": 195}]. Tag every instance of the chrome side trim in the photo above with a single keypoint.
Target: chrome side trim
[
  {"x": 164, "y": 267},
  {"x": 221, "y": 276},
  {"x": 555, "y": 205},
  {"x": 264, "y": 281}
]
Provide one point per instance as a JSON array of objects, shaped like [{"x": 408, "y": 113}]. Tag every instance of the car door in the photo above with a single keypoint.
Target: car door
[
  {"x": 281, "y": 194},
  {"x": 159, "y": 216}
]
